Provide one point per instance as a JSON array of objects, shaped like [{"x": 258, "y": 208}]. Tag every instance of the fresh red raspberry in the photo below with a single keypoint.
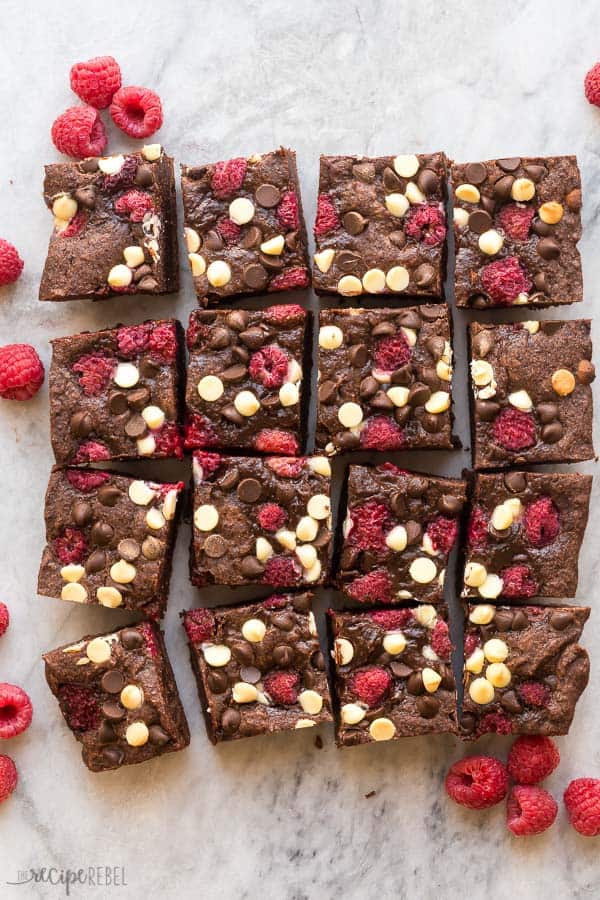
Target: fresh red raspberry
[
  {"x": 518, "y": 582},
  {"x": 381, "y": 433},
  {"x": 91, "y": 451},
  {"x": 514, "y": 429},
  {"x": 371, "y": 685},
  {"x": 122, "y": 179},
  {"x": 228, "y": 177},
  {"x": 229, "y": 231},
  {"x": 21, "y": 372},
  {"x": 197, "y": 332},
  {"x": 199, "y": 625},
  {"x": 440, "y": 640},
  {"x": 79, "y": 132},
  {"x": 287, "y": 211},
  {"x": 471, "y": 644},
  {"x": 8, "y": 777},
  {"x": 133, "y": 339},
  {"x": 504, "y": 279},
  {"x": 11, "y": 264},
  {"x": 374, "y": 587},
  {"x": 494, "y": 723},
  {"x": 96, "y": 80},
  {"x": 209, "y": 462},
  {"x": 392, "y": 352},
  {"x": 86, "y": 481},
  {"x": 477, "y": 531},
  {"x": 582, "y": 800},
  {"x": 75, "y": 226},
  {"x": 591, "y": 85},
  {"x": 285, "y": 466},
  {"x": 541, "y": 522},
  {"x": 16, "y": 711},
  {"x": 477, "y": 782},
  {"x": 282, "y": 687},
  {"x": 168, "y": 441},
  {"x": 134, "y": 204},
  {"x": 392, "y": 619},
  {"x": 269, "y": 366},
  {"x": 198, "y": 432},
  {"x": 273, "y": 440},
  {"x": 442, "y": 532},
  {"x": 275, "y": 601},
  {"x": 80, "y": 706},
  {"x": 369, "y": 524},
  {"x": 271, "y": 517},
  {"x": 149, "y": 635},
  {"x": 71, "y": 546},
  {"x": 281, "y": 571},
  {"x": 95, "y": 372},
  {"x": 291, "y": 278},
  {"x": 162, "y": 342},
  {"x": 4, "y": 618},
  {"x": 285, "y": 312},
  {"x": 533, "y": 693},
  {"x": 516, "y": 220},
  {"x": 530, "y": 810},
  {"x": 137, "y": 111},
  {"x": 532, "y": 758},
  {"x": 426, "y": 223},
  {"x": 327, "y": 217}
]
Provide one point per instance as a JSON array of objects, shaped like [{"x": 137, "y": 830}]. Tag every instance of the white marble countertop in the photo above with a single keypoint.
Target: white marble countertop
[{"x": 276, "y": 818}]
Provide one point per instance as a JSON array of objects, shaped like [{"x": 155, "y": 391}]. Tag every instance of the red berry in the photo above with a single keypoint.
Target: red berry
[
  {"x": 532, "y": 693},
  {"x": 137, "y": 111},
  {"x": 381, "y": 433},
  {"x": 21, "y": 372},
  {"x": 91, "y": 451},
  {"x": 440, "y": 640},
  {"x": 371, "y": 685},
  {"x": 285, "y": 466},
  {"x": 16, "y": 711},
  {"x": 582, "y": 800},
  {"x": 426, "y": 223},
  {"x": 392, "y": 352},
  {"x": 391, "y": 619},
  {"x": 8, "y": 777},
  {"x": 516, "y": 220},
  {"x": 442, "y": 532},
  {"x": 207, "y": 462},
  {"x": 374, "y": 587},
  {"x": 532, "y": 758},
  {"x": 477, "y": 531},
  {"x": 11, "y": 264},
  {"x": 518, "y": 582},
  {"x": 133, "y": 339},
  {"x": 149, "y": 635},
  {"x": 229, "y": 231},
  {"x": 541, "y": 522},
  {"x": 71, "y": 546},
  {"x": 494, "y": 723},
  {"x": 514, "y": 429},
  {"x": 477, "y": 782},
  {"x": 273, "y": 440},
  {"x": 530, "y": 810},
  {"x": 95, "y": 372},
  {"x": 81, "y": 706},
  {"x": 291, "y": 278},
  {"x": 75, "y": 226},
  {"x": 86, "y": 481},
  {"x": 228, "y": 177},
  {"x": 271, "y": 517},
  {"x": 327, "y": 217},
  {"x": 282, "y": 687},
  {"x": 199, "y": 625},
  {"x": 197, "y": 332},
  {"x": 162, "y": 342},
  {"x": 392, "y": 468},
  {"x": 369, "y": 523},
  {"x": 198, "y": 432},
  {"x": 285, "y": 312},
  {"x": 275, "y": 601},
  {"x": 287, "y": 211},
  {"x": 471, "y": 644},
  {"x": 281, "y": 571},
  {"x": 168, "y": 441},
  {"x": 79, "y": 132},
  {"x": 96, "y": 80},
  {"x": 504, "y": 279},
  {"x": 122, "y": 179},
  {"x": 4, "y": 618},
  {"x": 269, "y": 366},
  {"x": 134, "y": 204},
  {"x": 592, "y": 85}
]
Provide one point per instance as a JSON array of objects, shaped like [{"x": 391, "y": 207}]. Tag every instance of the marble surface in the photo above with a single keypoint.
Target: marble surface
[{"x": 276, "y": 818}]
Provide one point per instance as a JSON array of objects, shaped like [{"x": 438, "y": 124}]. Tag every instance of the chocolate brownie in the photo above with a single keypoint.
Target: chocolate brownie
[
  {"x": 115, "y": 227},
  {"x": 381, "y": 225},
  {"x": 532, "y": 401},
  {"x": 244, "y": 379},
  {"x": 258, "y": 667},
  {"x": 118, "y": 696},
  {"x": 384, "y": 379},
  {"x": 524, "y": 535},
  {"x": 524, "y": 670},
  {"x": 393, "y": 675},
  {"x": 399, "y": 530},
  {"x": 260, "y": 521},
  {"x": 516, "y": 227},
  {"x": 110, "y": 540},
  {"x": 244, "y": 227},
  {"x": 114, "y": 394}
]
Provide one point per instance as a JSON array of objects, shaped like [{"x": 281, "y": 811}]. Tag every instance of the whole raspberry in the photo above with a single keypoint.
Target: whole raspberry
[
  {"x": 16, "y": 711},
  {"x": 79, "y": 132},
  {"x": 477, "y": 782},
  {"x": 369, "y": 524},
  {"x": 162, "y": 342},
  {"x": 440, "y": 640},
  {"x": 541, "y": 522},
  {"x": 442, "y": 532},
  {"x": 518, "y": 582},
  {"x": 137, "y": 111},
  {"x": 70, "y": 546},
  {"x": 269, "y": 366},
  {"x": 514, "y": 429},
  {"x": 477, "y": 530},
  {"x": 8, "y": 777},
  {"x": 199, "y": 625},
  {"x": 327, "y": 218},
  {"x": 198, "y": 432},
  {"x": 471, "y": 644},
  {"x": 281, "y": 571},
  {"x": 273, "y": 440},
  {"x": 494, "y": 723},
  {"x": 86, "y": 481},
  {"x": 122, "y": 179},
  {"x": 21, "y": 372},
  {"x": 291, "y": 278},
  {"x": 392, "y": 619},
  {"x": 582, "y": 800},
  {"x": 168, "y": 441},
  {"x": 11, "y": 264},
  {"x": 133, "y": 339},
  {"x": 96, "y": 80},
  {"x": 275, "y": 601},
  {"x": 75, "y": 226},
  {"x": 374, "y": 587},
  {"x": 426, "y": 223},
  {"x": 285, "y": 312},
  {"x": 287, "y": 211},
  {"x": 229, "y": 231},
  {"x": 4, "y": 618},
  {"x": 530, "y": 810},
  {"x": 532, "y": 693},
  {"x": 208, "y": 462},
  {"x": 532, "y": 758},
  {"x": 135, "y": 204},
  {"x": 80, "y": 706},
  {"x": 282, "y": 687},
  {"x": 91, "y": 451},
  {"x": 271, "y": 517},
  {"x": 197, "y": 332},
  {"x": 371, "y": 685},
  {"x": 285, "y": 466},
  {"x": 381, "y": 433},
  {"x": 591, "y": 85},
  {"x": 95, "y": 372},
  {"x": 504, "y": 279},
  {"x": 392, "y": 352},
  {"x": 516, "y": 220},
  {"x": 149, "y": 635},
  {"x": 228, "y": 177}
]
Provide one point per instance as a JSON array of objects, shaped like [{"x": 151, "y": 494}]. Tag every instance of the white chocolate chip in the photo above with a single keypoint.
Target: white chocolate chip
[
  {"x": 131, "y": 696},
  {"x": 414, "y": 194},
  {"x": 490, "y": 242},
  {"x": 120, "y": 276},
  {"x": 550, "y": 212},
  {"x": 397, "y": 539},
  {"x": 521, "y": 400},
  {"x": 241, "y": 210},
  {"x": 307, "y": 555},
  {"x": 192, "y": 241},
  {"x": 429, "y": 653},
  {"x": 475, "y": 662},
  {"x": 481, "y": 691},
  {"x": 109, "y": 597},
  {"x": 72, "y": 572},
  {"x": 206, "y": 517},
  {"x": 218, "y": 273},
  {"x": 137, "y": 734},
  {"x": 352, "y": 713},
  {"x": 294, "y": 372},
  {"x": 126, "y": 375},
  {"x": 532, "y": 326},
  {"x": 286, "y": 538},
  {"x": 246, "y": 403},
  {"x": 151, "y": 152},
  {"x": 431, "y": 680},
  {"x": 210, "y": 388},
  {"x": 98, "y": 650},
  {"x": 394, "y": 643},
  {"x": 312, "y": 625},
  {"x": 146, "y": 445},
  {"x": 486, "y": 392},
  {"x": 425, "y": 614},
  {"x": 439, "y": 402},
  {"x": 523, "y": 189},
  {"x": 373, "y": 281},
  {"x": 304, "y": 723},
  {"x": 422, "y": 570},
  {"x": 311, "y": 702},
  {"x": 263, "y": 550},
  {"x": 289, "y": 394},
  {"x": 274, "y": 246},
  {"x": 427, "y": 545},
  {"x": 406, "y": 165},
  {"x": 475, "y": 574},
  {"x": 244, "y": 693},
  {"x": 216, "y": 655},
  {"x": 491, "y": 587},
  {"x": 170, "y": 504},
  {"x": 410, "y": 334},
  {"x": 153, "y": 416},
  {"x": 382, "y": 729},
  {"x": 397, "y": 278},
  {"x": 515, "y": 506},
  {"x": 198, "y": 264},
  {"x": 307, "y": 529},
  {"x": 140, "y": 493},
  {"x": 468, "y": 193},
  {"x": 343, "y": 651},
  {"x": 133, "y": 256},
  {"x": 461, "y": 216},
  {"x": 254, "y": 630},
  {"x": 482, "y": 614},
  {"x": 111, "y": 165},
  {"x": 498, "y": 674},
  {"x": 155, "y": 519},
  {"x": 319, "y": 506},
  {"x": 397, "y": 205},
  {"x": 64, "y": 207},
  {"x": 122, "y": 572},
  {"x": 74, "y": 592},
  {"x": 349, "y": 286},
  {"x": 443, "y": 370},
  {"x": 482, "y": 372},
  {"x": 313, "y": 574},
  {"x": 522, "y": 298},
  {"x": 563, "y": 382},
  {"x": 350, "y": 414},
  {"x": 495, "y": 650},
  {"x": 330, "y": 337},
  {"x": 324, "y": 259},
  {"x": 320, "y": 465}
]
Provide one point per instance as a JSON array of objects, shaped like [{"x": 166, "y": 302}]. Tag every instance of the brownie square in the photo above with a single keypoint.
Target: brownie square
[
  {"x": 110, "y": 540},
  {"x": 260, "y": 521},
  {"x": 118, "y": 696},
  {"x": 245, "y": 379},
  {"x": 532, "y": 401},
  {"x": 244, "y": 226},
  {"x": 524, "y": 535},
  {"x": 381, "y": 225},
  {"x": 115, "y": 227},
  {"x": 114, "y": 394},
  {"x": 399, "y": 530},
  {"x": 384, "y": 379},
  {"x": 524, "y": 670},
  {"x": 258, "y": 667},
  {"x": 392, "y": 674},
  {"x": 517, "y": 223}
]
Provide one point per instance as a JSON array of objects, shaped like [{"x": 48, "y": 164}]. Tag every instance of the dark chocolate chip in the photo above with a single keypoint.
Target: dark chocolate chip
[
  {"x": 117, "y": 403},
  {"x": 552, "y": 432},
  {"x": 346, "y": 440},
  {"x": 368, "y": 387},
  {"x": 81, "y": 424},
  {"x": 255, "y": 276},
  {"x": 516, "y": 482},
  {"x": 213, "y": 241},
  {"x": 432, "y": 423},
  {"x": 86, "y": 196},
  {"x": 113, "y": 755},
  {"x": 141, "y": 272},
  {"x": 475, "y": 173},
  {"x": 152, "y": 548},
  {"x": 354, "y": 223},
  {"x": 230, "y": 413},
  {"x": 129, "y": 549},
  {"x": 283, "y": 655},
  {"x": 482, "y": 343},
  {"x": 383, "y": 329},
  {"x": 488, "y": 204},
  {"x": 548, "y": 248},
  {"x": 267, "y": 195},
  {"x": 419, "y": 394},
  {"x": 391, "y": 181},
  {"x": 560, "y": 620},
  {"x": 148, "y": 369},
  {"x": 218, "y": 338},
  {"x": 291, "y": 240},
  {"x": 157, "y": 736},
  {"x": 250, "y": 567},
  {"x": 238, "y": 319},
  {"x": 403, "y": 375},
  {"x": 131, "y": 639},
  {"x": 254, "y": 338},
  {"x": 424, "y": 275},
  {"x": 112, "y": 709},
  {"x": 503, "y": 187},
  {"x": 139, "y": 398},
  {"x": 89, "y": 165},
  {"x": 112, "y": 681},
  {"x": 511, "y": 164},
  {"x": 272, "y": 263},
  {"x": 136, "y": 427},
  {"x": 480, "y": 221},
  {"x": 428, "y": 181},
  {"x": 428, "y": 707},
  {"x": 509, "y": 702},
  {"x": 217, "y": 682},
  {"x": 229, "y": 480},
  {"x": 318, "y": 661},
  {"x": 101, "y": 533},
  {"x": 251, "y": 237},
  {"x": 250, "y": 674},
  {"x": 436, "y": 345},
  {"x": 520, "y": 621},
  {"x": 327, "y": 392},
  {"x": 397, "y": 238},
  {"x": 468, "y": 722},
  {"x": 249, "y": 490},
  {"x": 109, "y": 495},
  {"x": 535, "y": 172},
  {"x": 364, "y": 171},
  {"x": 414, "y": 684},
  {"x": 215, "y": 546},
  {"x": 503, "y": 619},
  {"x": 230, "y": 721},
  {"x": 358, "y": 355},
  {"x": 144, "y": 176},
  {"x": 234, "y": 373},
  {"x": 547, "y": 412},
  {"x": 81, "y": 513},
  {"x": 283, "y": 621},
  {"x": 573, "y": 199},
  {"x": 449, "y": 505},
  {"x": 398, "y": 504},
  {"x": 95, "y": 562},
  {"x": 148, "y": 283},
  {"x": 347, "y": 261},
  {"x": 243, "y": 652},
  {"x": 410, "y": 318},
  {"x": 542, "y": 229},
  {"x": 486, "y": 410},
  {"x": 413, "y": 532},
  {"x": 301, "y": 602},
  {"x": 416, "y": 487},
  {"x": 381, "y": 401}
]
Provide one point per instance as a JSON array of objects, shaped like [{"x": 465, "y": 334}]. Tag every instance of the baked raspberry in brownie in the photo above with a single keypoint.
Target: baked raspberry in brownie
[{"x": 258, "y": 667}]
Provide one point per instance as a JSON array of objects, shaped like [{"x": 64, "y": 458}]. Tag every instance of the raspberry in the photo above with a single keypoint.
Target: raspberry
[
  {"x": 11, "y": 264},
  {"x": 381, "y": 433},
  {"x": 79, "y": 132},
  {"x": 208, "y": 462},
  {"x": 269, "y": 366},
  {"x": 426, "y": 223},
  {"x": 582, "y": 800},
  {"x": 21, "y": 372},
  {"x": 440, "y": 640},
  {"x": 86, "y": 481},
  {"x": 149, "y": 636},
  {"x": 198, "y": 432},
  {"x": 504, "y": 279},
  {"x": 281, "y": 571},
  {"x": 122, "y": 179},
  {"x": 392, "y": 352},
  {"x": 530, "y": 810},
  {"x": 291, "y": 278},
  {"x": 80, "y": 706},
  {"x": 8, "y": 777},
  {"x": 275, "y": 601},
  {"x": 91, "y": 451},
  {"x": 95, "y": 372},
  {"x": 327, "y": 217},
  {"x": 591, "y": 85},
  {"x": 282, "y": 687},
  {"x": 374, "y": 587},
  {"x": 471, "y": 644},
  {"x": 285, "y": 312},
  {"x": 477, "y": 782},
  {"x": 272, "y": 440},
  {"x": 477, "y": 530},
  {"x": 392, "y": 619},
  {"x": 137, "y": 111},
  {"x": 4, "y": 618},
  {"x": 518, "y": 582},
  {"x": 75, "y": 226},
  {"x": 516, "y": 221},
  {"x": 271, "y": 517},
  {"x": 532, "y": 693},
  {"x": 71, "y": 546},
  {"x": 168, "y": 441},
  {"x": 199, "y": 625},
  {"x": 286, "y": 467},
  {"x": 16, "y": 711},
  {"x": 197, "y": 332},
  {"x": 532, "y": 758},
  {"x": 494, "y": 723},
  {"x": 371, "y": 685},
  {"x": 369, "y": 523},
  {"x": 133, "y": 339},
  {"x": 287, "y": 211},
  {"x": 229, "y": 231},
  {"x": 392, "y": 468},
  {"x": 96, "y": 80},
  {"x": 134, "y": 204},
  {"x": 514, "y": 429},
  {"x": 442, "y": 532},
  {"x": 228, "y": 177},
  {"x": 541, "y": 522},
  {"x": 162, "y": 342}
]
